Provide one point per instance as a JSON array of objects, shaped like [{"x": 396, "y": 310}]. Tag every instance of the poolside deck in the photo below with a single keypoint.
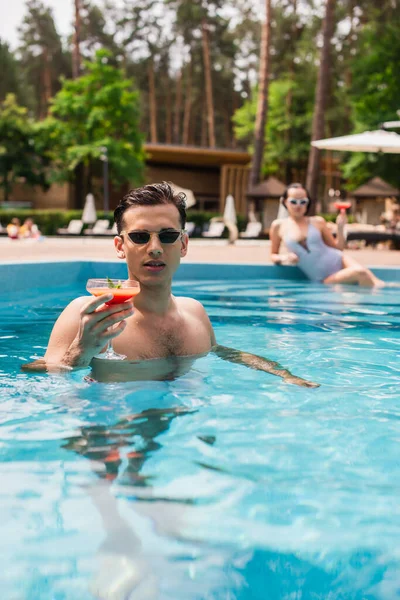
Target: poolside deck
[{"x": 206, "y": 251}]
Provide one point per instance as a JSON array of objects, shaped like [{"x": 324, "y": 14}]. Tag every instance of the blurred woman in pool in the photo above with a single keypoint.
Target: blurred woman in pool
[{"x": 312, "y": 246}]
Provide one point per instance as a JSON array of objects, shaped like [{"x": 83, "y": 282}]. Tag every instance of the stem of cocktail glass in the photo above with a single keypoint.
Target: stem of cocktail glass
[
  {"x": 109, "y": 350},
  {"x": 111, "y": 354}
]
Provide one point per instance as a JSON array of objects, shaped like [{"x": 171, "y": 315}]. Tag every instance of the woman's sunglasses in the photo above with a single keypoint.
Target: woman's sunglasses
[
  {"x": 298, "y": 201},
  {"x": 143, "y": 237}
]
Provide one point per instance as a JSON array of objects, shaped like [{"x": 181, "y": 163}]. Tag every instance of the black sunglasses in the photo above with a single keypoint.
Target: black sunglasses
[{"x": 143, "y": 237}]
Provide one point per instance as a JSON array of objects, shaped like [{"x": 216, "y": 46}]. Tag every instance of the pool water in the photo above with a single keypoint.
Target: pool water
[{"x": 224, "y": 484}]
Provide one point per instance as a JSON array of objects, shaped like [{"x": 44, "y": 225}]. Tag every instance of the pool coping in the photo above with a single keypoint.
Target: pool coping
[
  {"x": 19, "y": 277},
  {"x": 192, "y": 262}
]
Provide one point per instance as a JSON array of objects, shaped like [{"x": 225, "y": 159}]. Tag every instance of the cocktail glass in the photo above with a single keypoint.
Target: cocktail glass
[
  {"x": 122, "y": 291},
  {"x": 342, "y": 205}
]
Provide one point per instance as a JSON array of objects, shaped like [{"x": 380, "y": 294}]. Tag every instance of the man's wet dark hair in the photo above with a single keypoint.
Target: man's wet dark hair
[
  {"x": 151, "y": 195},
  {"x": 296, "y": 186}
]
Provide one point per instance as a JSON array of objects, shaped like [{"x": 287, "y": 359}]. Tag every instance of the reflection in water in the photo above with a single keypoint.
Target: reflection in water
[
  {"x": 103, "y": 444},
  {"x": 124, "y": 567}
]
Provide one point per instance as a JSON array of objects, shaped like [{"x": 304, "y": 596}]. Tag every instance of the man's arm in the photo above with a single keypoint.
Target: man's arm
[
  {"x": 260, "y": 363},
  {"x": 81, "y": 331}
]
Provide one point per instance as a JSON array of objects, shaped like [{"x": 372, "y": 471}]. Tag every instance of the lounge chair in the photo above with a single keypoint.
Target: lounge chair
[
  {"x": 253, "y": 230},
  {"x": 112, "y": 231},
  {"x": 215, "y": 231},
  {"x": 74, "y": 228},
  {"x": 190, "y": 227},
  {"x": 374, "y": 237},
  {"x": 99, "y": 228}
]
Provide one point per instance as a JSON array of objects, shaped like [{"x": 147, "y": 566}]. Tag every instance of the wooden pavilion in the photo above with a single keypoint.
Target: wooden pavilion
[
  {"x": 211, "y": 173},
  {"x": 372, "y": 199},
  {"x": 266, "y": 197}
]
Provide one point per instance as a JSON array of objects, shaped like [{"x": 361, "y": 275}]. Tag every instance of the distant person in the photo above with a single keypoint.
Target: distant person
[
  {"x": 13, "y": 229},
  {"x": 394, "y": 223},
  {"x": 312, "y": 246},
  {"x": 29, "y": 229}
]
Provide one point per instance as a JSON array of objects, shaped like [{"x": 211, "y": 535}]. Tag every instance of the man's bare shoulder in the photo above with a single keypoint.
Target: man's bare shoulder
[
  {"x": 193, "y": 309},
  {"x": 192, "y": 306},
  {"x": 76, "y": 304},
  {"x": 71, "y": 312}
]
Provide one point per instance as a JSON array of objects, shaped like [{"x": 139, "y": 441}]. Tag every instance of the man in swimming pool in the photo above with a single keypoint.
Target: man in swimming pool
[{"x": 156, "y": 325}]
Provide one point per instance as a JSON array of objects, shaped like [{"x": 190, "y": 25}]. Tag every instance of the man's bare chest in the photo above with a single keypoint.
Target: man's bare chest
[{"x": 157, "y": 340}]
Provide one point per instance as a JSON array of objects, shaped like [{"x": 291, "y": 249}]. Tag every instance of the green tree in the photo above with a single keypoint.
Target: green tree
[
  {"x": 375, "y": 98},
  {"x": 262, "y": 99},
  {"x": 23, "y": 156},
  {"x": 324, "y": 86},
  {"x": 42, "y": 56},
  {"x": 11, "y": 81},
  {"x": 97, "y": 29},
  {"x": 204, "y": 31},
  {"x": 146, "y": 41},
  {"x": 98, "y": 110},
  {"x": 292, "y": 75},
  {"x": 281, "y": 152}
]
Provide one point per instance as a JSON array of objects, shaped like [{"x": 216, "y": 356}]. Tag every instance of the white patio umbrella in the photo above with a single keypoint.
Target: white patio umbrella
[
  {"x": 190, "y": 197},
  {"x": 230, "y": 211},
  {"x": 89, "y": 211},
  {"x": 369, "y": 141},
  {"x": 230, "y": 219},
  {"x": 251, "y": 214},
  {"x": 282, "y": 211}
]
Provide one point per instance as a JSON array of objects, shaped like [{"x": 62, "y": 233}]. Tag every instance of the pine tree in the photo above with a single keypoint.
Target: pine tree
[{"x": 43, "y": 59}]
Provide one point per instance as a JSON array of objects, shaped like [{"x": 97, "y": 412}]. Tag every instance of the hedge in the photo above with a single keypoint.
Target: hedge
[
  {"x": 50, "y": 220},
  {"x": 47, "y": 220},
  {"x": 331, "y": 217}
]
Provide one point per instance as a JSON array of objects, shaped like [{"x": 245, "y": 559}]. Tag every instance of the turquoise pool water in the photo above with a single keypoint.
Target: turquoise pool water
[{"x": 225, "y": 484}]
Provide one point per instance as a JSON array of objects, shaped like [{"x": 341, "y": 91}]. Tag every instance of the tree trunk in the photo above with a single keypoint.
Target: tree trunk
[
  {"x": 289, "y": 97},
  {"x": 168, "y": 115},
  {"x": 76, "y": 54},
  {"x": 152, "y": 103},
  {"x": 178, "y": 109},
  {"x": 188, "y": 105},
  {"x": 321, "y": 98},
  {"x": 262, "y": 105},
  {"x": 227, "y": 128},
  {"x": 89, "y": 177},
  {"x": 79, "y": 181},
  {"x": 348, "y": 75},
  {"x": 208, "y": 84},
  {"x": 203, "y": 137},
  {"x": 6, "y": 187},
  {"x": 47, "y": 92}
]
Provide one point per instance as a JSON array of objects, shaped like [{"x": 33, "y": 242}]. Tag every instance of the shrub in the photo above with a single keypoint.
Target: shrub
[
  {"x": 331, "y": 217},
  {"x": 49, "y": 220}
]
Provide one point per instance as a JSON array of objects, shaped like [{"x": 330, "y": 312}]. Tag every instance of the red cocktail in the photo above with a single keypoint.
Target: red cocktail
[
  {"x": 122, "y": 291},
  {"x": 342, "y": 204},
  {"x": 120, "y": 294}
]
